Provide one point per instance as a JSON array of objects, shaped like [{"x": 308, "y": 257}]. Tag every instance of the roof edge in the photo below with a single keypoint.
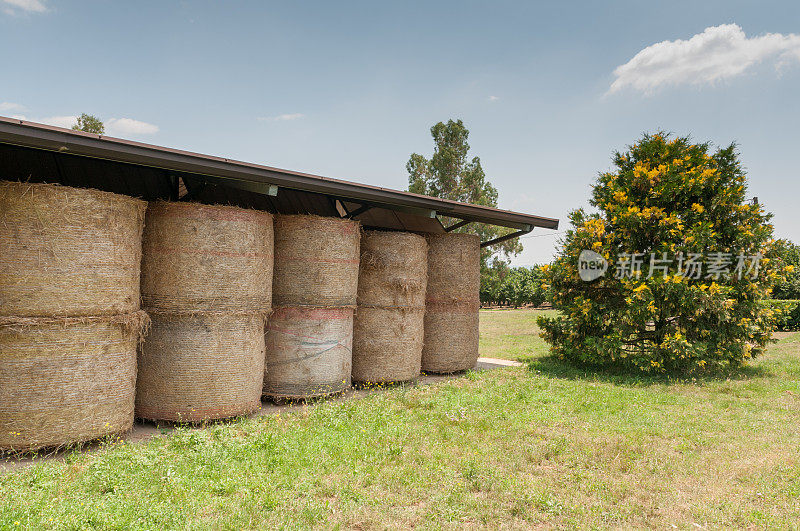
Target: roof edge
[{"x": 41, "y": 136}]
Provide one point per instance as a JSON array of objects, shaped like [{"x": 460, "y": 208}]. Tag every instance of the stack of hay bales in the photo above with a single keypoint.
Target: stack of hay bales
[
  {"x": 388, "y": 327},
  {"x": 207, "y": 285},
  {"x": 452, "y": 303},
  {"x": 310, "y": 333},
  {"x": 69, "y": 313}
]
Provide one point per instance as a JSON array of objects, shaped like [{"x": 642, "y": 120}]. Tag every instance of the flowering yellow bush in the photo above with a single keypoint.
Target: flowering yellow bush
[{"x": 687, "y": 264}]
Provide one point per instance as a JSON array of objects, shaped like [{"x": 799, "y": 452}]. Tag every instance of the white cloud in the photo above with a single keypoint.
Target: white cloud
[
  {"x": 59, "y": 121},
  {"x": 493, "y": 98},
  {"x": 8, "y": 106},
  {"x": 282, "y": 117},
  {"x": 718, "y": 53},
  {"x": 31, "y": 6},
  {"x": 129, "y": 126}
]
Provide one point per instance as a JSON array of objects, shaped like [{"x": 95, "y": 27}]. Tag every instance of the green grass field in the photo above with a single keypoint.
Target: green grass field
[
  {"x": 549, "y": 446},
  {"x": 512, "y": 334}
]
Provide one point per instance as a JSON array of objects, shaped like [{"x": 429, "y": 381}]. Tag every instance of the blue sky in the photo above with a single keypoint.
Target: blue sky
[{"x": 350, "y": 89}]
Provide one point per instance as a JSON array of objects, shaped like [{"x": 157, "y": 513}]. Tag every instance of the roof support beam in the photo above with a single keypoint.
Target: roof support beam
[
  {"x": 457, "y": 225},
  {"x": 338, "y": 206},
  {"x": 193, "y": 189},
  {"x": 359, "y": 210},
  {"x": 507, "y": 237},
  {"x": 174, "y": 186},
  {"x": 343, "y": 212},
  {"x": 248, "y": 186}
]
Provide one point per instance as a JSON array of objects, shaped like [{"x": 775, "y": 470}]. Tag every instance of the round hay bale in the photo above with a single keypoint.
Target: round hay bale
[
  {"x": 454, "y": 267},
  {"x": 451, "y": 338},
  {"x": 316, "y": 261},
  {"x": 202, "y": 366},
  {"x": 68, "y": 251},
  {"x": 200, "y": 257},
  {"x": 393, "y": 269},
  {"x": 309, "y": 352},
  {"x": 387, "y": 344},
  {"x": 452, "y": 303},
  {"x": 66, "y": 381}
]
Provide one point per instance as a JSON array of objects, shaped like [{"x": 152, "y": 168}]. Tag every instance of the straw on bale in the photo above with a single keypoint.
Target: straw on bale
[
  {"x": 388, "y": 325},
  {"x": 454, "y": 267},
  {"x": 201, "y": 366},
  {"x": 66, "y": 380},
  {"x": 453, "y": 301},
  {"x": 309, "y": 352},
  {"x": 68, "y": 251},
  {"x": 387, "y": 344},
  {"x": 393, "y": 270},
  {"x": 451, "y": 338},
  {"x": 203, "y": 257},
  {"x": 316, "y": 261}
]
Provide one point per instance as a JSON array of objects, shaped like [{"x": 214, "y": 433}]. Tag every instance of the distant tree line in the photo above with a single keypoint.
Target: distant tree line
[
  {"x": 788, "y": 284},
  {"x": 502, "y": 285},
  {"x": 785, "y": 299}
]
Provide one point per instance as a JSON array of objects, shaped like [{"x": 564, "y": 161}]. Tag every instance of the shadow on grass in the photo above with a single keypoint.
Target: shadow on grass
[{"x": 553, "y": 367}]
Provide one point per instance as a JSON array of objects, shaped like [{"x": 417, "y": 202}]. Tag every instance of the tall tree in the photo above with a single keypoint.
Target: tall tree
[
  {"x": 89, "y": 124},
  {"x": 450, "y": 174}
]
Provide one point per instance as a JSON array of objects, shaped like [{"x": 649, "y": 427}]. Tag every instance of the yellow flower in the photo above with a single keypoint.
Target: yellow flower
[{"x": 698, "y": 208}]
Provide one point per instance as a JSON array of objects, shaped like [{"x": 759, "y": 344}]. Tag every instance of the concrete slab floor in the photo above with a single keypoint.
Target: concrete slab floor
[{"x": 144, "y": 430}]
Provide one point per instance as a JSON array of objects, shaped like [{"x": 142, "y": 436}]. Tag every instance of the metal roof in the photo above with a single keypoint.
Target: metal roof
[{"x": 37, "y": 152}]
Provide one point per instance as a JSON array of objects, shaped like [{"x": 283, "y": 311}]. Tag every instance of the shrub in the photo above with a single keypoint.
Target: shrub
[
  {"x": 787, "y": 313},
  {"x": 788, "y": 284},
  {"x": 665, "y": 198}
]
